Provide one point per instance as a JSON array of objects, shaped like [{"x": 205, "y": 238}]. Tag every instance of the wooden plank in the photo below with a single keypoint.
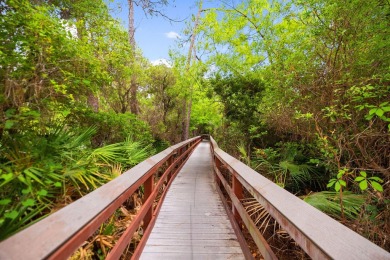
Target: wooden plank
[
  {"x": 189, "y": 255},
  {"x": 192, "y": 223},
  {"x": 194, "y": 226},
  {"x": 194, "y": 236},
  {"x": 198, "y": 249},
  {"x": 193, "y": 219},
  {"x": 199, "y": 213},
  {"x": 203, "y": 242},
  {"x": 167, "y": 256},
  {"x": 173, "y": 230}
]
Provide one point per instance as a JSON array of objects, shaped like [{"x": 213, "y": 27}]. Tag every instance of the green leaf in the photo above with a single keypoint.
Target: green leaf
[
  {"x": 8, "y": 124},
  {"x": 42, "y": 192},
  {"x": 363, "y": 173},
  {"x": 377, "y": 179},
  {"x": 12, "y": 215},
  {"x": 28, "y": 202},
  {"x": 57, "y": 184},
  {"x": 379, "y": 112},
  {"x": 376, "y": 186},
  {"x": 342, "y": 183},
  {"x": 331, "y": 183},
  {"x": 26, "y": 191},
  {"x": 7, "y": 176},
  {"x": 360, "y": 178},
  {"x": 341, "y": 173},
  {"x": 86, "y": 82},
  {"x": 315, "y": 161},
  {"x": 32, "y": 173},
  {"x": 372, "y": 111},
  {"x": 10, "y": 112},
  {"x": 363, "y": 185},
  {"x": 4, "y": 202},
  {"x": 22, "y": 179},
  {"x": 337, "y": 187}
]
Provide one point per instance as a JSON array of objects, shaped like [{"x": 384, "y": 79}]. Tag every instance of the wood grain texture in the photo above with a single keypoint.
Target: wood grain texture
[{"x": 192, "y": 223}]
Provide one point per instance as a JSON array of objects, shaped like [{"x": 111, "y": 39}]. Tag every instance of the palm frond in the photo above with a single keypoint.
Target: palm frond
[
  {"x": 108, "y": 153},
  {"x": 80, "y": 139},
  {"x": 329, "y": 203}
]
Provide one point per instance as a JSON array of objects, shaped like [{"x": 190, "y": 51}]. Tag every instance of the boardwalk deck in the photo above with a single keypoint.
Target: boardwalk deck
[{"x": 192, "y": 223}]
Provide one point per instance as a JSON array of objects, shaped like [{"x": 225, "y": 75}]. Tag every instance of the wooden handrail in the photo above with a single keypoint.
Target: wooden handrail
[
  {"x": 60, "y": 234},
  {"x": 320, "y": 236}
]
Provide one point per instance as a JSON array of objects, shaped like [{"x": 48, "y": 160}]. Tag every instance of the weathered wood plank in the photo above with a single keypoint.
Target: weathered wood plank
[
  {"x": 198, "y": 249},
  {"x": 184, "y": 242},
  {"x": 189, "y": 220},
  {"x": 189, "y": 255},
  {"x": 194, "y": 236},
  {"x": 192, "y": 223},
  {"x": 194, "y": 226}
]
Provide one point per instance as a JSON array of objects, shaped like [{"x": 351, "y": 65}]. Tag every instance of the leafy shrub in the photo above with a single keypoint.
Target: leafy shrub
[{"x": 112, "y": 127}]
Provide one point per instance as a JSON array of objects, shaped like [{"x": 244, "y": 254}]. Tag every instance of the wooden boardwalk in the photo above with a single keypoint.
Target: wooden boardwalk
[{"x": 192, "y": 223}]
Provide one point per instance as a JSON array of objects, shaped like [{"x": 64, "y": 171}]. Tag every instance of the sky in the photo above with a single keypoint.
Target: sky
[{"x": 155, "y": 35}]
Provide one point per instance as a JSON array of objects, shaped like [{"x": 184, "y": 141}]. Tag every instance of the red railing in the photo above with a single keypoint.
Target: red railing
[
  {"x": 60, "y": 234},
  {"x": 320, "y": 236}
]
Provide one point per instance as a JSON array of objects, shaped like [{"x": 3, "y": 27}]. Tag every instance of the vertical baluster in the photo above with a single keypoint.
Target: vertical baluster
[
  {"x": 237, "y": 189},
  {"x": 170, "y": 161},
  {"x": 148, "y": 189},
  {"x": 218, "y": 165}
]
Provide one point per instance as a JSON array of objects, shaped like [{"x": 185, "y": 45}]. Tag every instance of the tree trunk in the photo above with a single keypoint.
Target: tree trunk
[
  {"x": 134, "y": 107},
  {"x": 188, "y": 104},
  {"x": 131, "y": 24}
]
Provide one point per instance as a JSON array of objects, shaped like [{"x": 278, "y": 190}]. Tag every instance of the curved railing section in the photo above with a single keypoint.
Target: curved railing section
[
  {"x": 320, "y": 236},
  {"x": 60, "y": 234}
]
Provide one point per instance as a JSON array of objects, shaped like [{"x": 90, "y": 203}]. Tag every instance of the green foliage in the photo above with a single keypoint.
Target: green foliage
[
  {"x": 34, "y": 172},
  {"x": 65, "y": 69},
  {"x": 373, "y": 181},
  {"x": 323, "y": 68},
  {"x": 113, "y": 127},
  {"x": 338, "y": 182},
  {"x": 290, "y": 168},
  {"x": 329, "y": 202},
  {"x": 240, "y": 96}
]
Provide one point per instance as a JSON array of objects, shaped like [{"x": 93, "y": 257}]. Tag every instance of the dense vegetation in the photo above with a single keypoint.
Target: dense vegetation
[
  {"x": 299, "y": 91},
  {"x": 305, "y": 91}
]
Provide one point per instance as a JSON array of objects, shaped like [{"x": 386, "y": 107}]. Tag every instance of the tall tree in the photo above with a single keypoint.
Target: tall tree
[
  {"x": 151, "y": 8},
  {"x": 188, "y": 103}
]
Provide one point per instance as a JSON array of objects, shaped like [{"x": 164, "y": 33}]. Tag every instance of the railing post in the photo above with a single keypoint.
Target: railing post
[
  {"x": 237, "y": 189},
  {"x": 218, "y": 165},
  {"x": 148, "y": 189},
  {"x": 170, "y": 161}
]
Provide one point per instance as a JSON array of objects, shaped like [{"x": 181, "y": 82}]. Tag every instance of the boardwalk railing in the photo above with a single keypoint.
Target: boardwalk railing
[
  {"x": 60, "y": 234},
  {"x": 320, "y": 236}
]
